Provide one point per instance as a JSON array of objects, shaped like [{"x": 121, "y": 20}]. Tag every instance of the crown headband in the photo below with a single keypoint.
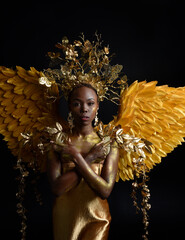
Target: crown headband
[{"x": 84, "y": 62}]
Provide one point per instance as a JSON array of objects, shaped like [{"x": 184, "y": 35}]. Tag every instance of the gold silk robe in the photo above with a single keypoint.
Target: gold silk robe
[{"x": 79, "y": 213}]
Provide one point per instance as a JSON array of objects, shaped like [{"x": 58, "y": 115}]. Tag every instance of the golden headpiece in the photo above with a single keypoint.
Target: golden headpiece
[{"x": 84, "y": 62}]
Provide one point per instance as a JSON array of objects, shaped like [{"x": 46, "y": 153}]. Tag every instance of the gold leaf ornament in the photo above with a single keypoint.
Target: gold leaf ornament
[
  {"x": 85, "y": 62},
  {"x": 45, "y": 81}
]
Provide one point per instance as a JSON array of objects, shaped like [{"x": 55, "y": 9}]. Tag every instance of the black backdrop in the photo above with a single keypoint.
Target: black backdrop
[{"x": 148, "y": 39}]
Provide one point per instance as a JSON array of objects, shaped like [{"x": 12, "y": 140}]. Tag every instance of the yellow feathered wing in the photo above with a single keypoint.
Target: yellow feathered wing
[
  {"x": 24, "y": 107},
  {"x": 155, "y": 113}
]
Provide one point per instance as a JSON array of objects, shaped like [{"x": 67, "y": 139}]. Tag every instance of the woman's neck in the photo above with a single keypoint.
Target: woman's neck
[{"x": 83, "y": 130}]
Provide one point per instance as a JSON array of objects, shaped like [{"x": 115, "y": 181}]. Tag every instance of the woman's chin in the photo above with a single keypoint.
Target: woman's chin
[
  {"x": 86, "y": 123},
  {"x": 81, "y": 123}
]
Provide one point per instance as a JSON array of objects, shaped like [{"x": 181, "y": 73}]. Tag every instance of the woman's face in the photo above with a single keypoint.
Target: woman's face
[{"x": 83, "y": 105}]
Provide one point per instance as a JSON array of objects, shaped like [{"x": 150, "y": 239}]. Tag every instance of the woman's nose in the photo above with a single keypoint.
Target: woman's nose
[{"x": 84, "y": 108}]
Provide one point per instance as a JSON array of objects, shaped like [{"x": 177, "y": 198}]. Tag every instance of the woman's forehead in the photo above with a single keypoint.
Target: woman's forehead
[{"x": 84, "y": 93}]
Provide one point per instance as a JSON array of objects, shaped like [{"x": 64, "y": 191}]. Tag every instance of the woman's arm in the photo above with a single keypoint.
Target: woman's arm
[
  {"x": 103, "y": 184},
  {"x": 60, "y": 183}
]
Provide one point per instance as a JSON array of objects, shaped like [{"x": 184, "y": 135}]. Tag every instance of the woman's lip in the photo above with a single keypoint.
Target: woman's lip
[{"x": 84, "y": 118}]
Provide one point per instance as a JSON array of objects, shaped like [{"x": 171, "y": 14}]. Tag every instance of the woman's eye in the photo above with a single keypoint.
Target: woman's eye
[
  {"x": 76, "y": 104},
  {"x": 91, "y": 103}
]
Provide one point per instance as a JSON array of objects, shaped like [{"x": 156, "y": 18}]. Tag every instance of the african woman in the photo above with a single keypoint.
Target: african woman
[
  {"x": 82, "y": 160},
  {"x": 81, "y": 175}
]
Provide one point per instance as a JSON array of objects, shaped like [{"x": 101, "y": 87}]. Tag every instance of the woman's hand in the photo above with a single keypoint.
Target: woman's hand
[
  {"x": 67, "y": 148},
  {"x": 99, "y": 150},
  {"x": 70, "y": 149}
]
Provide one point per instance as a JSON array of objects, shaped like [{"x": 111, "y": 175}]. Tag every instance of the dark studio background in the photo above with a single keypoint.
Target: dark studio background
[{"x": 148, "y": 39}]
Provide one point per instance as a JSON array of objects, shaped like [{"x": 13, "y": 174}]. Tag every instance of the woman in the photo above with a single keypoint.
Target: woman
[
  {"x": 82, "y": 171},
  {"x": 80, "y": 174}
]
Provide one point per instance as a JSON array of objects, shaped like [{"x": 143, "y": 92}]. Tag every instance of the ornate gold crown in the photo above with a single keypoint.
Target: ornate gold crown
[{"x": 84, "y": 62}]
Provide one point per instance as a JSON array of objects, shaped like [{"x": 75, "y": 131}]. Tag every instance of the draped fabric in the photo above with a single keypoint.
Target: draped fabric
[{"x": 80, "y": 214}]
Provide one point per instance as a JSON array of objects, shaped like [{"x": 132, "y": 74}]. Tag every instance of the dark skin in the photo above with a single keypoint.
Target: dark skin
[{"x": 83, "y": 105}]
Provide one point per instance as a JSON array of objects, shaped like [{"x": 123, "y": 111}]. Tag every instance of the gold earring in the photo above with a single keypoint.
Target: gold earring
[
  {"x": 70, "y": 120},
  {"x": 96, "y": 119}
]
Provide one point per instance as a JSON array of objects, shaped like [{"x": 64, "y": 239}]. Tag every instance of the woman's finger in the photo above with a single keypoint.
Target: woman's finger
[{"x": 99, "y": 144}]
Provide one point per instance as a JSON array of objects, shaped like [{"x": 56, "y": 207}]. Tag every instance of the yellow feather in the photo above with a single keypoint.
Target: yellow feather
[
  {"x": 160, "y": 152},
  {"x": 12, "y": 125},
  {"x": 155, "y": 140},
  {"x": 145, "y": 107},
  {"x": 148, "y": 129},
  {"x": 17, "y": 132},
  {"x": 1, "y": 93},
  {"x": 179, "y": 111},
  {"x": 8, "y": 136},
  {"x": 3, "y": 113},
  {"x": 8, "y": 94},
  {"x": 34, "y": 111},
  {"x": 123, "y": 176},
  {"x": 38, "y": 126},
  {"x": 2, "y": 77},
  {"x": 138, "y": 123},
  {"x": 19, "y": 112},
  {"x": 8, "y": 72},
  {"x": 23, "y": 74},
  {"x": 1, "y": 120},
  {"x": 10, "y": 108},
  {"x": 149, "y": 162},
  {"x": 18, "y": 89},
  {"x": 18, "y": 98},
  {"x": 30, "y": 90},
  {"x": 123, "y": 161},
  {"x": 25, "y": 120},
  {"x": 164, "y": 124},
  {"x": 156, "y": 158},
  {"x": 3, "y": 129},
  {"x": 28, "y": 103},
  {"x": 6, "y": 102},
  {"x": 132, "y": 89},
  {"x": 182, "y": 130},
  {"x": 167, "y": 147},
  {"x": 130, "y": 173},
  {"x": 33, "y": 72},
  {"x": 129, "y": 159},
  {"x": 120, "y": 165},
  {"x": 147, "y": 117},
  {"x": 156, "y": 127},
  {"x": 5, "y": 86},
  {"x": 117, "y": 177},
  {"x": 12, "y": 143},
  {"x": 8, "y": 119},
  {"x": 180, "y": 138},
  {"x": 17, "y": 81}
]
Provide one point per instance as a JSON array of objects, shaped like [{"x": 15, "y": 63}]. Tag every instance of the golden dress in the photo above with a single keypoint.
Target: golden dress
[{"x": 79, "y": 213}]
